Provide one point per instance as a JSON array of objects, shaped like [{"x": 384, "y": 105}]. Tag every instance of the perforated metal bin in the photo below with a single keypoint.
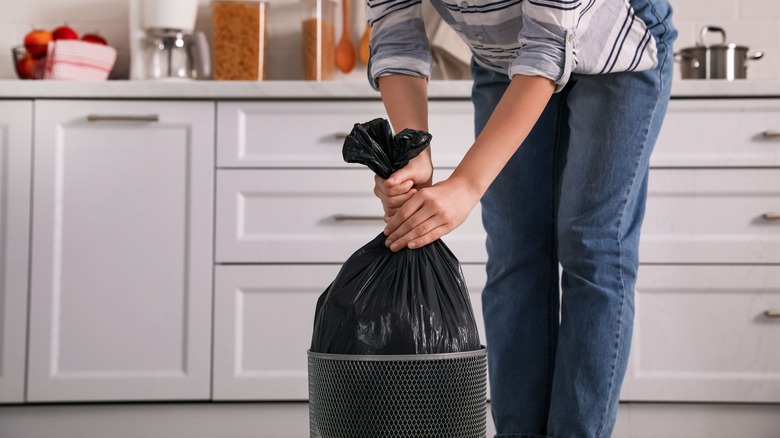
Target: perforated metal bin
[{"x": 419, "y": 396}]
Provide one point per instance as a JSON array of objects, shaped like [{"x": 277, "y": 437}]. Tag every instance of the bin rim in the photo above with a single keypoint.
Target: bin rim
[{"x": 398, "y": 357}]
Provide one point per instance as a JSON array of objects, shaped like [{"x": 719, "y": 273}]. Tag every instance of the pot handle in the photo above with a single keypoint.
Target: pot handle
[
  {"x": 714, "y": 29},
  {"x": 756, "y": 56},
  {"x": 679, "y": 55}
]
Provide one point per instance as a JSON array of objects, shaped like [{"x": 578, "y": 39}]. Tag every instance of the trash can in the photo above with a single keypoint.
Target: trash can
[{"x": 396, "y": 396}]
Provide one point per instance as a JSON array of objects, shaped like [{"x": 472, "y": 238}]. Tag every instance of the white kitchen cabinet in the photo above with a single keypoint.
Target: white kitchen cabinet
[
  {"x": 15, "y": 168},
  {"x": 719, "y": 133},
  {"x": 706, "y": 334},
  {"x": 122, "y": 263},
  {"x": 263, "y": 321},
  {"x": 311, "y": 216},
  {"x": 310, "y": 134},
  {"x": 709, "y": 276},
  {"x": 712, "y": 216}
]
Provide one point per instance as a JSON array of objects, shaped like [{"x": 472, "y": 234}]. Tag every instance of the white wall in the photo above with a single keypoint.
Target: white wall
[{"x": 754, "y": 23}]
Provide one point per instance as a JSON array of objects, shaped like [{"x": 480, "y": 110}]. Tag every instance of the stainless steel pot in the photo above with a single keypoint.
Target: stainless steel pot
[{"x": 715, "y": 61}]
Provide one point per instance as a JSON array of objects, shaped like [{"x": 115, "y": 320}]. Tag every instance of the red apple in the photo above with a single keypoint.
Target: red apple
[
  {"x": 36, "y": 42},
  {"x": 94, "y": 38},
  {"x": 65, "y": 33},
  {"x": 24, "y": 67}
]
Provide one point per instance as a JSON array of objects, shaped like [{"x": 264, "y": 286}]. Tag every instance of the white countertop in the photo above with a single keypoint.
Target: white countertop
[{"x": 18, "y": 89}]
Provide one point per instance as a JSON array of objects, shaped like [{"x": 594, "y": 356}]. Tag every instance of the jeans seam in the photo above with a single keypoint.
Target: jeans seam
[
  {"x": 620, "y": 245},
  {"x": 553, "y": 288}
]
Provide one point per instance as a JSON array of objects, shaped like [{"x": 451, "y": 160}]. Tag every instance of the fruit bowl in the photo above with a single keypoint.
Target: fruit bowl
[{"x": 26, "y": 66}]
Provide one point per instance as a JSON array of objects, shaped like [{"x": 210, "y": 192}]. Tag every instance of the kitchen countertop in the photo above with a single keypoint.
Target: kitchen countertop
[{"x": 314, "y": 90}]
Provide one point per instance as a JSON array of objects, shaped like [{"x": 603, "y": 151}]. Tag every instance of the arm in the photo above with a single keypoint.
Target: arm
[
  {"x": 434, "y": 211},
  {"x": 406, "y": 102}
]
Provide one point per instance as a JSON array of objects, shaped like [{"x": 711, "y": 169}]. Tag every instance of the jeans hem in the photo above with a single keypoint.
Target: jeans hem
[{"x": 521, "y": 435}]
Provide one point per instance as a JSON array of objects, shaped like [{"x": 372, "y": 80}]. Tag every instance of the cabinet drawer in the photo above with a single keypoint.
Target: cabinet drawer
[
  {"x": 263, "y": 319},
  {"x": 719, "y": 133},
  {"x": 702, "y": 333},
  {"x": 712, "y": 216},
  {"x": 311, "y": 216},
  {"x": 310, "y": 134}
]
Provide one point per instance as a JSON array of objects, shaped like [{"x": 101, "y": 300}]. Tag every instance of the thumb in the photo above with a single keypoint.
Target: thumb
[{"x": 400, "y": 176}]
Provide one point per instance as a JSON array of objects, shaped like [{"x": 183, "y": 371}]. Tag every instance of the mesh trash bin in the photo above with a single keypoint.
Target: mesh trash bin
[{"x": 397, "y": 396}]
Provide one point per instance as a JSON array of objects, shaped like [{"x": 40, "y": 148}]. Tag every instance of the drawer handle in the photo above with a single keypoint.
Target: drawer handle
[
  {"x": 772, "y": 133},
  {"x": 351, "y": 217},
  {"x": 122, "y": 118},
  {"x": 340, "y": 135},
  {"x": 772, "y": 313},
  {"x": 771, "y": 216}
]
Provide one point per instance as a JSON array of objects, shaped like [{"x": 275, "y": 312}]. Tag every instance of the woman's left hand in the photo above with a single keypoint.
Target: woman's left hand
[{"x": 431, "y": 213}]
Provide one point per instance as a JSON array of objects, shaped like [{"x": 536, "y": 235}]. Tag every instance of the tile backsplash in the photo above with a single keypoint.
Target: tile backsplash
[{"x": 752, "y": 23}]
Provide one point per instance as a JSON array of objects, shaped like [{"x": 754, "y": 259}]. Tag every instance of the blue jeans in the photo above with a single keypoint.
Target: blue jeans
[{"x": 574, "y": 193}]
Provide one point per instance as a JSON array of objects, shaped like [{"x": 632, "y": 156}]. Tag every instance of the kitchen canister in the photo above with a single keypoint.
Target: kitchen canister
[
  {"x": 239, "y": 39},
  {"x": 318, "y": 40}
]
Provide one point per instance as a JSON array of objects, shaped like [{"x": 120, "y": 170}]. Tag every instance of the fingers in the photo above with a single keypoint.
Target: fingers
[
  {"x": 389, "y": 187},
  {"x": 419, "y": 222},
  {"x": 392, "y": 196}
]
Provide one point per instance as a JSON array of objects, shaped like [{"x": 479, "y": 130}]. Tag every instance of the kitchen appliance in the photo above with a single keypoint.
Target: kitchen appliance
[
  {"x": 715, "y": 61},
  {"x": 162, "y": 42}
]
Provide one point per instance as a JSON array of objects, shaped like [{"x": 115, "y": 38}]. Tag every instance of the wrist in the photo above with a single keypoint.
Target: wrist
[{"x": 471, "y": 187}]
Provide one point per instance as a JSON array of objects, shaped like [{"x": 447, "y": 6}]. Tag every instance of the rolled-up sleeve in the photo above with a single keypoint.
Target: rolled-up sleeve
[
  {"x": 399, "y": 44},
  {"x": 547, "y": 40}
]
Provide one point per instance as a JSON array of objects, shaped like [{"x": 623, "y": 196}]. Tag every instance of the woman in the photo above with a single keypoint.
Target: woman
[{"x": 569, "y": 96}]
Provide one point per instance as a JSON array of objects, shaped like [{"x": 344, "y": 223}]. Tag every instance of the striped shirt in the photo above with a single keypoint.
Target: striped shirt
[{"x": 549, "y": 38}]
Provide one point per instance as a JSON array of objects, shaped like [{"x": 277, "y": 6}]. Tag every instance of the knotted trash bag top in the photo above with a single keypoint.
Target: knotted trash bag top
[{"x": 413, "y": 301}]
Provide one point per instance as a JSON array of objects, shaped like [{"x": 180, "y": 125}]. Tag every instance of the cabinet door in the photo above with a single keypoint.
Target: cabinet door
[
  {"x": 310, "y": 134},
  {"x": 706, "y": 334},
  {"x": 263, "y": 320},
  {"x": 719, "y": 133},
  {"x": 15, "y": 153},
  {"x": 312, "y": 216},
  {"x": 712, "y": 216},
  {"x": 121, "y": 251}
]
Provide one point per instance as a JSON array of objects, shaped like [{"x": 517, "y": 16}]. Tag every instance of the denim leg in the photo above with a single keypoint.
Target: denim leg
[
  {"x": 520, "y": 299},
  {"x": 614, "y": 121},
  {"x": 575, "y": 193}
]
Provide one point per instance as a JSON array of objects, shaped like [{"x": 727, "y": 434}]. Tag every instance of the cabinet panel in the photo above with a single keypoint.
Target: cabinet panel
[
  {"x": 712, "y": 216},
  {"x": 15, "y": 166},
  {"x": 720, "y": 133},
  {"x": 702, "y": 333},
  {"x": 311, "y": 216},
  {"x": 310, "y": 133},
  {"x": 121, "y": 251},
  {"x": 263, "y": 319}
]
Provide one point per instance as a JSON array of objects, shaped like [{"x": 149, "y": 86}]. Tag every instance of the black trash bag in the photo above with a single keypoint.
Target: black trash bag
[{"x": 414, "y": 301}]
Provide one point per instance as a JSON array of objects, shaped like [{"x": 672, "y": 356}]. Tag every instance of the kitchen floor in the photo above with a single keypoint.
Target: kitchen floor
[{"x": 290, "y": 420}]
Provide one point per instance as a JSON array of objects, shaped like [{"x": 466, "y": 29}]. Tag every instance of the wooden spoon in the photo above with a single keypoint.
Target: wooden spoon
[
  {"x": 345, "y": 51},
  {"x": 363, "y": 52}
]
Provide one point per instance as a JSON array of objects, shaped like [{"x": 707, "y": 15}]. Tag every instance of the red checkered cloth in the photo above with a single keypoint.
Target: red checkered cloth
[{"x": 74, "y": 60}]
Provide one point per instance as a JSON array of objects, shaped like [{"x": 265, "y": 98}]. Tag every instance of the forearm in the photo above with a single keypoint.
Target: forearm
[
  {"x": 514, "y": 116},
  {"x": 406, "y": 101}
]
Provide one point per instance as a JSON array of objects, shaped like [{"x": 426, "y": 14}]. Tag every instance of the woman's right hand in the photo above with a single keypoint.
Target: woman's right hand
[{"x": 404, "y": 183}]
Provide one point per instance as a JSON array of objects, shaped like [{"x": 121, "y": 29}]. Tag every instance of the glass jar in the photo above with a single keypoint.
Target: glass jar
[
  {"x": 318, "y": 40},
  {"x": 239, "y": 39}
]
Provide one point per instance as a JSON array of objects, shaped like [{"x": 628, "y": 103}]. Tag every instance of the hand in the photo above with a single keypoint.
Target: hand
[
  {"x": 431, "y": 213},
  {"x": 404, "y": 183}
]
